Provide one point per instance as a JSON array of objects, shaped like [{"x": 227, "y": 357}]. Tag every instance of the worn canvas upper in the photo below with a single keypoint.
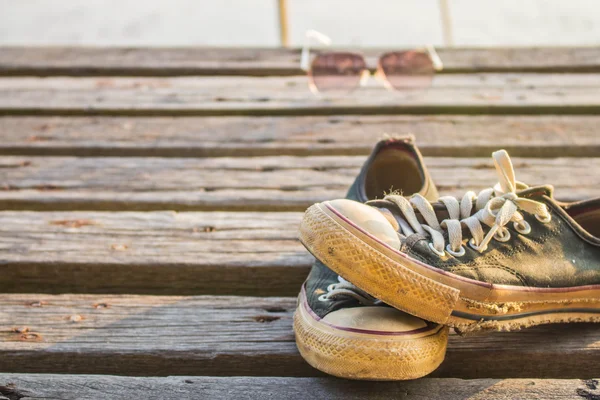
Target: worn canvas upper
[
  {"x": 510, "y": 234},
  {"x": 554, "y": 254},
  {"x": 404, "y": 168}
]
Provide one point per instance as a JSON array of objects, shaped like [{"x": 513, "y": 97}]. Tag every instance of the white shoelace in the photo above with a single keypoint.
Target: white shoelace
[
  {"x": 345, "y": 288},
  {"x": 495, "y": 207}
]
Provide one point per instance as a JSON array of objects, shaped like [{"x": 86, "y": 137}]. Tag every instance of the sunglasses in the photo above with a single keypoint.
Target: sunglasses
[{"x": 345, "y": 71}]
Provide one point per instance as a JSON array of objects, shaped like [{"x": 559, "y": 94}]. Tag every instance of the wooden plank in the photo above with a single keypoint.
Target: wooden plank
[
  {"x": 453, "y": 135},
  {"x": 450, "y": 94},
  {"x": 227, "y": 336},
  {"x": 285, "y": 183},
  {"x": 85, "y": 61},
  {"x": 152, "y": 253},
  {"x": 96, "y": 61},
  {"x": 98, "y": 387}
]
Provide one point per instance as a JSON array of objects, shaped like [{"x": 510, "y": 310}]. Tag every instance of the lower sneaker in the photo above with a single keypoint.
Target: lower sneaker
[
  {"x": 342, "y": 330},
  {"x": 510, "y": 257}
]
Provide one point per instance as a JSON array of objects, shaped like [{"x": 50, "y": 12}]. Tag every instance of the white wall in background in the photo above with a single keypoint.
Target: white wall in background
[
  {"x": 367, "y": 23},
  {"x": 526, "y": 22},
  {"x": 255, "y": 22},
  {"x": 139, "y": 22}
]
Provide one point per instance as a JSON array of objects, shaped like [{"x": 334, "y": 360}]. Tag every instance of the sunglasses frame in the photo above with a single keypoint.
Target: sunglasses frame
[{"x": 379, "y": 74}]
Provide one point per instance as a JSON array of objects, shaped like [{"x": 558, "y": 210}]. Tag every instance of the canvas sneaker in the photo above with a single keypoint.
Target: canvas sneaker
[
  {"x": 342, "y": 330},
  {"x": 509, "y": 257}
]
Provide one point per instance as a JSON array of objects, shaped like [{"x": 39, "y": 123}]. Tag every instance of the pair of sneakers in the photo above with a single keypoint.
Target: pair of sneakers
[{"x": 393, "y": 274}]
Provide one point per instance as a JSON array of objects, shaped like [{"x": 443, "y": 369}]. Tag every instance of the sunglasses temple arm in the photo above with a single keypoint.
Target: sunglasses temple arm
[
  {"x": 438, "y": 65},
  {"x": 311, "y": 35}
]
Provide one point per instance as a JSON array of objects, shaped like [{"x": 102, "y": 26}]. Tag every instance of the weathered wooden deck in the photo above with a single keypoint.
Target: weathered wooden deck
[{"x": 150, "y": 201}]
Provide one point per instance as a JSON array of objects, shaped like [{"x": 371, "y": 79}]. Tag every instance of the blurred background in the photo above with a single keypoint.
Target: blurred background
[{"x": 270, "y": 23}]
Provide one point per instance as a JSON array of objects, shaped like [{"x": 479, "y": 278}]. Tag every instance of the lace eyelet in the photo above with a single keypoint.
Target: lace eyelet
[
  {"x": 439, "y": 253},
  {"x": 475, "y": 247},
  {"x": 323, "y": 297},
  {"x": 459, "y": 253},
  {"x": 544, "y": 220},
  {"x": 505, "y": 237},
  {"x": 331, "y": 287},
  {"x": 523, "y": 231}
]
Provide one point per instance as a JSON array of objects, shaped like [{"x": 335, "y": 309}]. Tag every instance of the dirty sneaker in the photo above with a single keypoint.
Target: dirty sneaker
[
  {"x": 344, "y": 331},
  {"x": 507, "y": 258}
]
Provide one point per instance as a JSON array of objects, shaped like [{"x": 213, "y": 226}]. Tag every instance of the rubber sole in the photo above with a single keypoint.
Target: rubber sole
[
  {"x": 433, "y": 294},
  {"x": 367, "y": 356}
]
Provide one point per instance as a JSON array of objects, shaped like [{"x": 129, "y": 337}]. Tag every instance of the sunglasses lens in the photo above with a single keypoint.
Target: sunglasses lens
[
  {"x": 407, "y": 70},
  {"x": 337, "y": 71}
]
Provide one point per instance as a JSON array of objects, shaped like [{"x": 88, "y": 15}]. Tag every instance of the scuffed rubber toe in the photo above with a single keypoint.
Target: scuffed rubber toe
[{"x": 366, "y": 218}]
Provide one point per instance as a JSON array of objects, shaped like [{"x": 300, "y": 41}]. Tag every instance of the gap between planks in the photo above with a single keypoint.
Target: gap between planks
[
  {"x": 96, "y": 387},
  {"x": 442, "y": 136}
]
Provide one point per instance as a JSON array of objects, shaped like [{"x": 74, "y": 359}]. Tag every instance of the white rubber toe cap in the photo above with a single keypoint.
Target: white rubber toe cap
[{"x": 368, "y": 219}]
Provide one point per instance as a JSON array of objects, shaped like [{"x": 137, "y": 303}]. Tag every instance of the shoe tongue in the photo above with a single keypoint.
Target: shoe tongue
[
  {"x": 440, "y": 211},
  {"x": 537, "y": 192},
  {"x": 439, "y": 208}
]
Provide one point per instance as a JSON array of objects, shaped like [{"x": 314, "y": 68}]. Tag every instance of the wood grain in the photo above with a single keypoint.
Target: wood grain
[
  {"x": 96, "y": 387},
  {"x": 485, "y": 93},
  {"x": 85, "y": 61},
  {"x": 453, "y": 135},
  {"x": 143, "y": 129},
  {"x": 165, "y": 253},
  {"x": 285, "y": 183},
  {"x": 247, "y": 336},
  {"x": 153, "y": 253}
]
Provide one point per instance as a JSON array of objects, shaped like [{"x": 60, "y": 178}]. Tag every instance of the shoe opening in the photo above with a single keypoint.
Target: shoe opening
[
  {"x": 394, "y": 170},
  {"x": 587, "y": 215}
]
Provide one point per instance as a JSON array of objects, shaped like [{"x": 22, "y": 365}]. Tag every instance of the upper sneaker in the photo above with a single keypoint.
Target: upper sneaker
[
  {"x": 344, "y": 331},
  {"x": 509, "y": 257}
]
